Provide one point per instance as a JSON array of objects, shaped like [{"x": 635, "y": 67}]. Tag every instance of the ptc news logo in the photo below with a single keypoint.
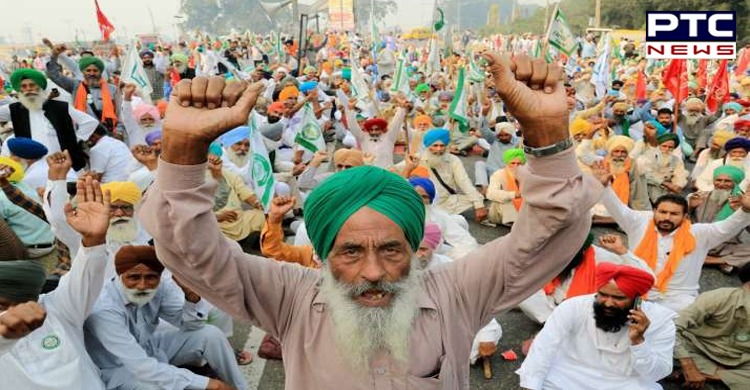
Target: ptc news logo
[{"x": 691, "y": 35}]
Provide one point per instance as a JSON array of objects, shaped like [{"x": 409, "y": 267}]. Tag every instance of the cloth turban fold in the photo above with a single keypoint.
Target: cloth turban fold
[
  {"x": 290, "y": 92},
  {"x": 620, "y": 106},
  {"x": 26, "y": 148},
  {"x": 425, "y": 184},
  {"x": 620, "y": 141},
  {"x": 32, "y": 74},
  {"x": 660, "y": 129},
  {"x": 142, "y": 109},
  {"x": 379, "y": 122},
  {"x": 741, "y": 123},
  {"x": 18, "y": 171},
  {"x": 179, "y": 57},
  {"x": 233, "y": 136},
  {"x": 351, "y": 157},
  {"x": 732, "y": 106},
  {"x": 421, "y": 88},
  {"x": 153, "y": 137},
  {"x": 124, "y": 191},
  {"x": 580, "y": 127},
  {"x": 130, "y": 256},
  {"x": 21, "y": 280},
  {"x": 722, "y": 136},
  {"x": 276, "y": 108},
  {"x": 331, "y": 204},
  {"x": 308, "y": 86},
  {"x": 85, "y": 62},
  {"x": 668, "y": 137},
  {"x": 630, "y": 280},
  {"x": 435, "y": 135},
  {"x": 432, "y": 236},
  {"x": 736, "y": 174},
  {"x": 512, "y": 154},
  {"x": 505, "y": 127},
  {"x": 422, "y": 119},
  {"x": 737, "y": 143}
]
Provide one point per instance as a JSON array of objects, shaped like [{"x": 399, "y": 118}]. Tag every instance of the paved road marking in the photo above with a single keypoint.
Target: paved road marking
[{"x": 254, "y": 370}]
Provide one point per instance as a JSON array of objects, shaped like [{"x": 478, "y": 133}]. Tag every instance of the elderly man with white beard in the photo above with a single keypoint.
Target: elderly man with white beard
[
  {"x": 34, "y": 115},
  {"x": 124, "y": 228},
  {"x": 455, "y": 192},
  {"x": 368, "y": 316},
  {"x": 629, "y": 184},
  {"x": 737, "y": 150},
  {"x": 695, "y": 124}
]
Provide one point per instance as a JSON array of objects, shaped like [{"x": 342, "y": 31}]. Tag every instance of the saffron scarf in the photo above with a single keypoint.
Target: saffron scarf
[
  {"x": 512, "y": 185},
  {"x": 108, "y": 106},
  {"x": 584, "y": 277},
  {"x": 621, "y": 184},
  {"x": 684, "y": 243}
]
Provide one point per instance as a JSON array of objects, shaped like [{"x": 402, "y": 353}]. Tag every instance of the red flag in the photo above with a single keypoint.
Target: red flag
[
  {"x": 640, "y": 86},
  {"x": 718, "y": 92},
  {"x": 676, "y": 79},
  {"x": 742, "y": 62},
  {"x": 104, "y": 25},
  {"x": 701, "y": 77}
]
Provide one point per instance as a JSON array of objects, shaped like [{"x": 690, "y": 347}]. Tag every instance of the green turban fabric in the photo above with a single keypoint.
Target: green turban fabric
[
  {"x": 668, "y": 137},
  {"x": 32, "y": 74},
  {"x": 512, "y": 154},
  {"x": 21, "y": 280},
  {"x": 84, "y": 63},
  {"x": 179, "y": 57},
  {"x": 736, "y": 174},
  {"x": 422, "y": 88},
  {"x": 331, "y": 204}
]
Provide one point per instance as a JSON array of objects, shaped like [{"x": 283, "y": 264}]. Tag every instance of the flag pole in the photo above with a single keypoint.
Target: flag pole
[{"x": 543, "y": 54}]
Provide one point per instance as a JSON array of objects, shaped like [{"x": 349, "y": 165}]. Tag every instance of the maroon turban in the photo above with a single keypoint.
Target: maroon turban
[
  {"x": 630, "y": 280},
  {"x": 129, "y": 256},
  {"x": 379, "y": 122}
]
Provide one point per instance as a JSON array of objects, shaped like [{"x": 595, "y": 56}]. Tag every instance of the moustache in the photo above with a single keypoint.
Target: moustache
[{"x": 382, "y": 286}]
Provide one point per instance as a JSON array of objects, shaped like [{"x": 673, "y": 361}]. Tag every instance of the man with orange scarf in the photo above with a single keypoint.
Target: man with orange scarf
[
  {"x": 629, "y": 183},
  {"x": 673, "y": 247},
  {"x": 504, "y": 190},
  {"x": 92, "y": 95}
]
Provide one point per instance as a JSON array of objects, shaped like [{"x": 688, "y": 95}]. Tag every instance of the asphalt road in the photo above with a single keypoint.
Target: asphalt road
[{"x": 269, "y": 375}]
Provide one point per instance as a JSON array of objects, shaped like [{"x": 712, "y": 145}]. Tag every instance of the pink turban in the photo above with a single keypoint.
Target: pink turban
[
  {"x": 142, "y": 109},
  {"x": 432, "y": 236},
  {"x": 630, "y": 280}
]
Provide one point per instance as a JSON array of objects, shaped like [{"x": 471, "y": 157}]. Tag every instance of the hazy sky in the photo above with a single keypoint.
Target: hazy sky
[{"x": 59, "y": 19}]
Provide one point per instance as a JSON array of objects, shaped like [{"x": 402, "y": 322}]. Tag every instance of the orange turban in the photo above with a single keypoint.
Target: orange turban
[
  {"x": 422, "y": 119},
  {"x": 130, "y": 256},
  {"x": 630, "y": 280},
  {"x": 289, "y": 92}
]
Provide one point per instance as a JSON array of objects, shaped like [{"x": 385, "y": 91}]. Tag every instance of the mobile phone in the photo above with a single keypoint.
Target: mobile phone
[{"x": 637, "y": 303}]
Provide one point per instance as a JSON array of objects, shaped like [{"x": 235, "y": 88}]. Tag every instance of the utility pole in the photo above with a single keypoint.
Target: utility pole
[{"x": 598, "y": 14}]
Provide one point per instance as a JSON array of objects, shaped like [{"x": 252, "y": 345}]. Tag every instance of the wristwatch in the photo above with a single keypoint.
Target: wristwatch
[{"x": 549, "y": 149}]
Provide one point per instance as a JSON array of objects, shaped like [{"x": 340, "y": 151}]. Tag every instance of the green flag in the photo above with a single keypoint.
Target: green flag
[
  {"x": 260, "y": 172},
  {"x": 440, "y": 21},
  {"x": 460, "y": 104},
  {"x": 310, "y": 134},
  {"x": 560, "y": 36}
]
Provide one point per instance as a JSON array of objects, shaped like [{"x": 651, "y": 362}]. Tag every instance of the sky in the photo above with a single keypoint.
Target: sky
[{"x": 59, "y": 20}]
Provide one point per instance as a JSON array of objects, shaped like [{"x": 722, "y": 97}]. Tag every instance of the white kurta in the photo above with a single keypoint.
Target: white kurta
[
  {"x": 683, "y": 287},
  {"x": 570, "y": 352},
  {"x": 54, "y": 355},
  {"x": 382, "y": 148},
  {"x": 43, "y": 132},
  {"x": 112, "y": 158}
]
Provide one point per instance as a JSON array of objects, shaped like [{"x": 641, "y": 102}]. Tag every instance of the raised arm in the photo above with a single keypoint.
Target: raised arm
[{"x": 54, "y": 72}]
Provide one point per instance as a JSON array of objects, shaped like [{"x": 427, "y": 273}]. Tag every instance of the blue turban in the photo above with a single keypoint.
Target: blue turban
[
  {"x": 660, "y": 129},
  {"x": 234, "y": 136},
  {"x": 147, "y": 53},
  {"x": 435, "y": 135},
  {"x": 425, "y": 184},
  {"x": 308, "y": 86},
  {"x": 215, "y": 149},
  {"x": 737, "y": 143},
  {"x": 26, "y": 148},
  {"x": 346, "y": 74},
  {"x": 153, "y": 137},
  {"x": 732, "y": 106},
  {"x": 344, "y": 193}
]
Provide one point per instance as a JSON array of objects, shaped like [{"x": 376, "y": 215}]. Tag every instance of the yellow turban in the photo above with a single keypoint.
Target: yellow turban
[
  {"x": 289, "y": 92},
  {"x": 745, "y": 81},
  {"x": 351, "y": 157},
  {"x": 419, "y": 119},
  {"x": 18, "y": 172},
  {"x": 580, "y": 126},
  {"x": 125, "y": 191},
  {"x": 620, "y": 106},
  {"x": 620, "y": 141},
  {"x": 722, "y": 136}
]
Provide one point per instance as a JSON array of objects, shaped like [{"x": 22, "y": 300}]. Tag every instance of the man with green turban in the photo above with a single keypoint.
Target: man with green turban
[
  {"x": 664, "y": 171},
  {"x": 504, "y": 190},
  {"x": 92, "y": 94},
  {"x": 41, "y": 336},
  {"x": 368, "y": 318},
  {"x": 179, "y": 69},
  {"x": 717, "y": 205}
]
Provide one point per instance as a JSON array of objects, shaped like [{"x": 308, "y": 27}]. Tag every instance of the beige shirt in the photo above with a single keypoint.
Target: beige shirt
[{"x": 457, "y": 300}]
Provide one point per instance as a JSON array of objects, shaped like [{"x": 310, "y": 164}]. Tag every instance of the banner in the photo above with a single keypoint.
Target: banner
[
  {"x": 341, "y": 15},
  {"x": 260, "y": 172},
  {"x": 310, "y": 134},
  {"x": 133, "y": 73}
]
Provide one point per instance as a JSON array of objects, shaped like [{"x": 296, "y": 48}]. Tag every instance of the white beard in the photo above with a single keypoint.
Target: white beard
[
  {"x": 434, "y": 160},
  {"x": 33, "y": 102},
  {"x": 617, "y": 166},
  {"x": 237, "y": 160},
  {"x": 361, "y": 332},
  {"x": 136, "y": 296},
  {"x": 690, "y": 119},
  {"x": 737, "y": 163},
  {"x": 124, "y": 232}
]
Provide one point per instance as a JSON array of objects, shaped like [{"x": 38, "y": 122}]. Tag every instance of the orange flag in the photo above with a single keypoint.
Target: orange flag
[
  {"x": 718, "y": 92},
  {"x": 742, "y": 62},
  {"x": 640, "y": 86}
]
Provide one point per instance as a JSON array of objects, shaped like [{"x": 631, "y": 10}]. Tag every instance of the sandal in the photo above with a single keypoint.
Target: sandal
[{"x": 243, "y": 357}]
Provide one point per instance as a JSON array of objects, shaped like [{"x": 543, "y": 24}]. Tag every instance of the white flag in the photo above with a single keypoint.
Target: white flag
[
  {"x": 310, "y": 134},
  {"x": 133, "y": 73},
  {"x": 600, "y": 77},
  {"x": 260, "y": 171},
  {"x": 401, "y": 79}
]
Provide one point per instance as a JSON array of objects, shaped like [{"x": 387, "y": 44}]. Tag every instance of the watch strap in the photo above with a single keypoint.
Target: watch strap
[{"x": 549, "y": 149}]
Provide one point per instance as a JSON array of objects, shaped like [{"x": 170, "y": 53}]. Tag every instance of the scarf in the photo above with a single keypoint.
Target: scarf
[
  {"x": 626, "y": 127},
  {"x": 684, "y": 243},
  {"x": 512, "y": 185},
  {"x": 621, "y": 184},
  {"x": 727, "y": 210},
  {"x": 584, "y": 278},
  {"x": 108, "y": 106}
]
